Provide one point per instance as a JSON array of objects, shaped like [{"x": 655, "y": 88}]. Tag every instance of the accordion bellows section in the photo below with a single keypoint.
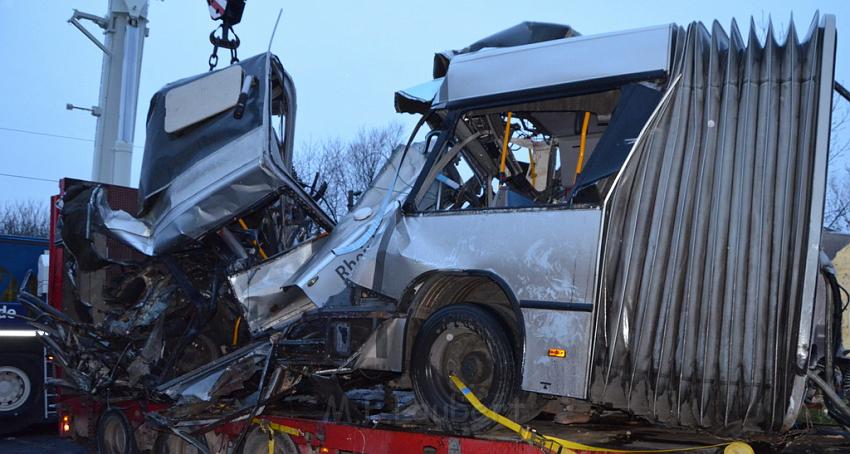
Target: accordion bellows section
[{"x": 709, "y": 261}]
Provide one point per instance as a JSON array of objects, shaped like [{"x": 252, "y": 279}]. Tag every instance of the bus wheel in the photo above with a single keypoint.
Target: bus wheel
[{"x": 470, "y": 342}]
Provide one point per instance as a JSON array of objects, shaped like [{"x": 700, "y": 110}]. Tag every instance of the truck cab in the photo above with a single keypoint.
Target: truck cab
[{"x": 25, "y": 364}]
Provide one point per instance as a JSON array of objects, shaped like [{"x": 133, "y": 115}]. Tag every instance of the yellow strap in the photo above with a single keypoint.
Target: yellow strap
[
  {"x": 264, "y": 423},
  {"x": 271, "y": 442},
  {"x": 286, "y": 429},
  {"x": 505, "y": 141},
  {"x": 555, "y": 444},
  {"x": 583, "y": 143},
  {"x": 235, "y": 339},
  {"x": 256, "y": 244}
]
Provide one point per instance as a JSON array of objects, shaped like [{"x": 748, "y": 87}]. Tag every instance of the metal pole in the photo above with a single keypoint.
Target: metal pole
[{"x": 125, "y": 27}]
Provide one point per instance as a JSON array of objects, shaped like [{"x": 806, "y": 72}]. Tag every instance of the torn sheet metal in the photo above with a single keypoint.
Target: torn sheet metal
[
  {"x": 219, "y": 377},
  {"x": 267, "y": 292},
  {"x": 418, "y": 99},
  {"x": 168, "y": 156},
  {"x": 200, "y": 177},
  {"x": 710, "y": 252},
  {"x": 518, "y": 35}
]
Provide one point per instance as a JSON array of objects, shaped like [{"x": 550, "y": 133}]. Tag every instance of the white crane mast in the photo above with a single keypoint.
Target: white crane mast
[{"x": 125, "y": 29}]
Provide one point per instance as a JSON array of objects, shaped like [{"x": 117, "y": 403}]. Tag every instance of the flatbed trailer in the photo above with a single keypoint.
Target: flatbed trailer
[{"x": 299, "y": 431}]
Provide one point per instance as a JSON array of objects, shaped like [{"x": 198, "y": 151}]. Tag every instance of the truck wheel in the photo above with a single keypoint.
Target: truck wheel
[
  {"x": 20, "y": 391},
  {"x": 115, "y": 434},
  {"x": 258, "y": 441},
  {"x": 168, "y": 443},
  {"x": 470, "y": 342}
]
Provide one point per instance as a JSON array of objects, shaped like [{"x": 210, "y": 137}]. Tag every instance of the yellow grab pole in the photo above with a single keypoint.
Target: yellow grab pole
[
  {"x": 583, "y": 142},
  {"x": 505, "y": 140},
  {"x": 256, "y": 244},
  {"x": 235, "y": 339}
]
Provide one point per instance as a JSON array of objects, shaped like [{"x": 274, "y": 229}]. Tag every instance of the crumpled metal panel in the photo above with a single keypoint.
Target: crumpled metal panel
[
  {"x": 262, "y": 289},
  {"x": 201, "y": 384},
  {"x": 268, "y": 292},
  {"x": 518, "y": 35},
  {"x": 195, "y": 182},
  {"x": 710, "y": 254},
  {"x": 417, "y": 99}
]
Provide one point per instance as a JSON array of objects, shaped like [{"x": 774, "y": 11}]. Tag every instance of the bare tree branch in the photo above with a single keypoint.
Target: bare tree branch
[
  {"x": 24, "y": 218},
  {"x": 347, "y": 166}
]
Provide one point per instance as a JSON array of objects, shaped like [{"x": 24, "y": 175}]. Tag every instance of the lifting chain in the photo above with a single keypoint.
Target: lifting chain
[{"x": 225, "y": 42}]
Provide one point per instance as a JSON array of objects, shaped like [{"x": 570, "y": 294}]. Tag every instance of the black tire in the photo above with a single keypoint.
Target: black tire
[
  {"x": 526, "y": 406},
  {"x": 115, "y": 434},
  {"x": 21, "y": 391},
  {"x": 168, "y": 443},
  {"x": 258, "y": 441},
  {"x": 472, "y": 343}
]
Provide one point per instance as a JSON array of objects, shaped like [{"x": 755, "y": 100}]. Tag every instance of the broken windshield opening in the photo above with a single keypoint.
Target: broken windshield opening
[
  {"x": 557, "y": 152},
  {"x": 282, "y": 112}
]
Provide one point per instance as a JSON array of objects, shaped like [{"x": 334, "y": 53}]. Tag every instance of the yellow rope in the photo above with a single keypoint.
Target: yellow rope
[{"x": 559, "y": 444}]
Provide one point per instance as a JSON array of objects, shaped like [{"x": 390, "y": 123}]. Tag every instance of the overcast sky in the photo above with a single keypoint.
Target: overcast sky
[{"x": 347, "y": 59}]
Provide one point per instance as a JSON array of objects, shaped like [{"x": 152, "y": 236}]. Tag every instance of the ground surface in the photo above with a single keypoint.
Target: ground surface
[{"x": 40, "y": 439}]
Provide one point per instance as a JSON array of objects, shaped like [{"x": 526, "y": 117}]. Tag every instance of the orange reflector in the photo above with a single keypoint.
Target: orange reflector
[
  {"x": 66, "y": 423},
  {"x": 557, "y": 353},
  {"x": 323, "y": 449}
]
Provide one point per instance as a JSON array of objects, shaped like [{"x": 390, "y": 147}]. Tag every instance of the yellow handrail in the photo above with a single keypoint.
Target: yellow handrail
[
  {"x": 256, "y": 244},
  {"x": 505, "y": 140},
  {"x": 583, "y": 143}
]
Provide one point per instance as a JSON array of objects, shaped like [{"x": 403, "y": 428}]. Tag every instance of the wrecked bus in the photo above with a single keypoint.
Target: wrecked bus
[{"x": 632, "y": 219}]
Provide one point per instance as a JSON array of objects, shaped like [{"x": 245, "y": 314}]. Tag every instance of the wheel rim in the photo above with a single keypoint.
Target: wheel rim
[
  {"x": 15, "y": 388},
  {"x": 115, "y": 438},
  {"x": 462, "y": 352}
]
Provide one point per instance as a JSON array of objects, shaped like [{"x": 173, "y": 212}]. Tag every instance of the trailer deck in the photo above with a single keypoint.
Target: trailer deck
[{"x": 309, "y": 427}]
